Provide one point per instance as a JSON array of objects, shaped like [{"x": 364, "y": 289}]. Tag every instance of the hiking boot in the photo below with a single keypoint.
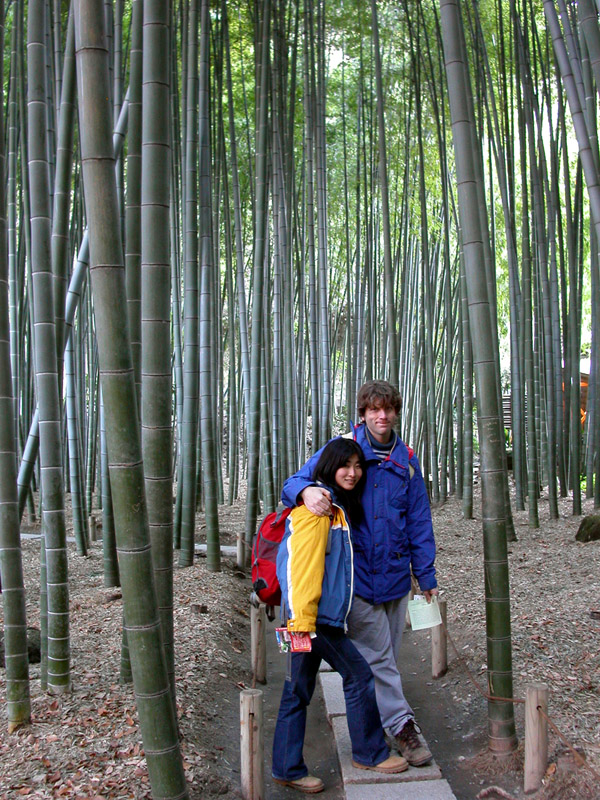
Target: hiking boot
[
  {"x": 390, "y": 765},
  {"x": 411, "y": 747},
  {"x": 309, "y": 784}
]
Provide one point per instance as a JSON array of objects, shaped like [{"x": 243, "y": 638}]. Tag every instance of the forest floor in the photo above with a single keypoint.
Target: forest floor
[{"x": 87, "y": 744}]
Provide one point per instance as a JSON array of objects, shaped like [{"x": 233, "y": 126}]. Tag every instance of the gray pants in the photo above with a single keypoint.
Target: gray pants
[{"x": 377, "y": 633}]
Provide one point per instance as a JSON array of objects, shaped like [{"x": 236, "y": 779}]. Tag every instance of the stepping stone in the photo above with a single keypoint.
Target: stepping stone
[
  {"x": 333, "y": 694},
  {"x": 416, "y": 783},
  {"x": 428, "y": 790},
  {"x": 325, "y": 667},
  {"x": 352, "y": 775}
]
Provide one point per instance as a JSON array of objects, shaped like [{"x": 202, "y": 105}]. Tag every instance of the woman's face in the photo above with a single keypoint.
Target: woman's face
[{"x": 349, "y": 474}]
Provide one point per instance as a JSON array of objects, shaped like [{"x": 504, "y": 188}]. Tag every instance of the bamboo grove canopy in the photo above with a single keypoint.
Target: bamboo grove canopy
[{"x": 221, "y": 218}]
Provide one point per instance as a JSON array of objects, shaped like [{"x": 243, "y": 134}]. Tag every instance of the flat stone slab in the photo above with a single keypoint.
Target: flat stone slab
[
  {"x": 333, "y": 694},
  {"x": 352, "y": 775},
  {"x": 325, "y": 667},
  {"x": 428, "y": 790}
]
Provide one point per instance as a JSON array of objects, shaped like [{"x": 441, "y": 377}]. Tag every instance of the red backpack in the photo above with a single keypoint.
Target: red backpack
[{"x": 264, "y": 556}]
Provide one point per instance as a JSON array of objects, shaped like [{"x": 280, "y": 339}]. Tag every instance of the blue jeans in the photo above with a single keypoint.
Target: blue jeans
[{"x": 364, "y": 723}]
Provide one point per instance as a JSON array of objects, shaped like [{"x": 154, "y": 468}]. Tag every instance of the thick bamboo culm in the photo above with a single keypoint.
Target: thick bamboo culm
[
  {"x": 439, "y": 645},
  {"x": 536, "y": 736},
  {"x": 252, "y": 744},
  {"x": 258, "y": 642}
]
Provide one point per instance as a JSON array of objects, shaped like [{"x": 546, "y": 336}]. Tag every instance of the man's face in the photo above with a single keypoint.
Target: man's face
[{"x": 380, "y": 421}]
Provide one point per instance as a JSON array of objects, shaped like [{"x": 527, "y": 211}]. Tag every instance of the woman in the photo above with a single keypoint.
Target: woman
[{"x": 314, "y": 568}]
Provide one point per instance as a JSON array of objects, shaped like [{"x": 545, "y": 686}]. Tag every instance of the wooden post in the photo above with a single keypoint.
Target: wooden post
[
  {"x": 252, "y": 744},
  {"x": 243, "y": 551},
  {"x": 92, "y": 522},
  {"x": 411, "y": 596},
  {"x": 536, "y": 736},
  {"x": 439, "y": 644},
  {"x": 258, "y": 642}
]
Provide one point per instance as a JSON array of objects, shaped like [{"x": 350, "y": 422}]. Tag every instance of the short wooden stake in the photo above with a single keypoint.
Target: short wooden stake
[
  {"x": 411, "y": 596},
  {"x": 252, "y": 744},
  {"x": 243, "y": 552},
  {"x": 258, "y": 642},
  {"x": 92, "y": 522},
  {"x": 439, "y": 645},
  {"x": 536, "y": 736}
]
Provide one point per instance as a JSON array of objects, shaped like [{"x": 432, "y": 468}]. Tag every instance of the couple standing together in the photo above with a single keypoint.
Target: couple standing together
[{"x": 360, "y": 522}]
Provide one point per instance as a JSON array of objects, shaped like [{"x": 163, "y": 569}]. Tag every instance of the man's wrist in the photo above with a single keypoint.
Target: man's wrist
[{"x": 300, "y": 496}]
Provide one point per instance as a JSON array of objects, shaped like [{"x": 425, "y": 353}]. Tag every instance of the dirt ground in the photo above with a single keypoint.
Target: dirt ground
[
  {"x": 87, "y": 744},
  {"x": 555, "y": 590}
]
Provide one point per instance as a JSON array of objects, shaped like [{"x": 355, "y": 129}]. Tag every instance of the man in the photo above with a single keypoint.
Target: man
[{"x": 395, "y": 535}]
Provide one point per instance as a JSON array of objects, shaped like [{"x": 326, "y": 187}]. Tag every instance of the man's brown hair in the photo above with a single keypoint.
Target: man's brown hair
[{"x": 378, "y": 394}]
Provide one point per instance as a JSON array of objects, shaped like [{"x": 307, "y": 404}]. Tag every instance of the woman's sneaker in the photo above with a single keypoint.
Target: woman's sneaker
[
  {"x": 411, "y": 747},
  {"x": 391, "y": 764}
]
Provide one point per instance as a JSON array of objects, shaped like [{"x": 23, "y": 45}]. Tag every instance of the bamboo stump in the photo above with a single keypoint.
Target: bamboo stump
[
  {"x": 536, "y": 736},
  {"x": 258, "y": 642},
  {"x": 92, "y": 526},
  {"x": 252, "y": 744},
  {"x": 439, "y": 644}
]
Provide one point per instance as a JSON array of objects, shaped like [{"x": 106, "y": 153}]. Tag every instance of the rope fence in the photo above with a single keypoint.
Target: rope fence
[{"x": 579, "y": 759}]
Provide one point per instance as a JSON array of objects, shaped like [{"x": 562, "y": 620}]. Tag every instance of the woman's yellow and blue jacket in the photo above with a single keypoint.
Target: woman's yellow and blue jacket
[{"x": 315, "y": 569}]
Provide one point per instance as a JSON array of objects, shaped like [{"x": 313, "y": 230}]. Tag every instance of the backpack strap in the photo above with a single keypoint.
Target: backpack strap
[
  {"x": 352, "y": 432},
  {"x": 411, "y": 469}
]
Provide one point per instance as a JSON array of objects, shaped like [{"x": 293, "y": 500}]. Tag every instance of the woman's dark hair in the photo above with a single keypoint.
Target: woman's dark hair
[{"x": 334, "y": 456}]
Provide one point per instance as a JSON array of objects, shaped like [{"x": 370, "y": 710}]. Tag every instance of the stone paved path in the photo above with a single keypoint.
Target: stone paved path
[{"x": 416, "y": 783}]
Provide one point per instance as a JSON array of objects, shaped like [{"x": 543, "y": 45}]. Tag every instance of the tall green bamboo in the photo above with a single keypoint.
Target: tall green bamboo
[
  {"x": 50, "y": 415},
  {"x": 12, "y": 234},
  {"x": 80, "y": 519},
  {"x": 151, "y": 684},
  {"x": 311, "y": 280},
  {"x": 189, "y": 427},
  {"x": 319, "y": 96},
  {"x": 60, "y": 215},
  {"x": 385, "y": 207},
  {"x": 570, "y": 70},
  {"x": 156, "y": 311},
  {"x": 133, "y": 211},
  {"x": 208, "y": 421},
  {"x": 260, "y": 253},
  {"x": 501, "y": 727},
  {"x": 237, "y": 223},
  {"x": 11, "y": 567}
]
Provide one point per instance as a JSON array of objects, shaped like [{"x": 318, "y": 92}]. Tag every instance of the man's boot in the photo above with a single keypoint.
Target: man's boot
[{"x": 411, "y": 747}]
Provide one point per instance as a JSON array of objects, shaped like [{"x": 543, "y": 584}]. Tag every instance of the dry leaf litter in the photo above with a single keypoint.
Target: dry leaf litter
[{"x": 87, "y": 744}]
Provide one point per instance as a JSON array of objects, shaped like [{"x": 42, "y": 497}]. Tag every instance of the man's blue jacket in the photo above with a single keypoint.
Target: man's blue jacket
[{"x": 396, "y": 531}]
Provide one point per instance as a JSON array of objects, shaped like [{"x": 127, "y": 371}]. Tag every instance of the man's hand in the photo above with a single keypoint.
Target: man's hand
[
  {"x": 429, "y": 593},
  {"x": 317, "y": 500}
]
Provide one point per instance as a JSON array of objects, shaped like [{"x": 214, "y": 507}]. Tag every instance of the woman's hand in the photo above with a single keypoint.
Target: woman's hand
[{"x": 317, "y": 500}]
